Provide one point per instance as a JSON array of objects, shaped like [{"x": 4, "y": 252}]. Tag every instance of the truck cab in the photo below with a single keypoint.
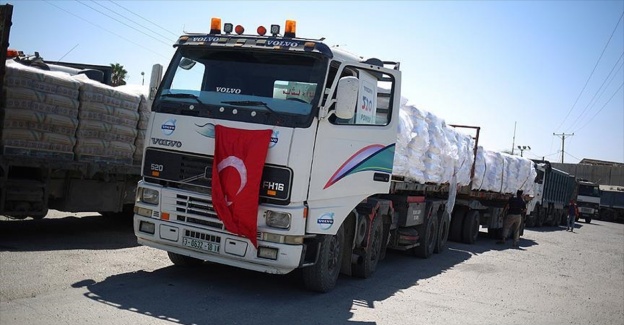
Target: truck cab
[
  {"x": 327, "y": 122},
  {"x": 588, "y": 200}
]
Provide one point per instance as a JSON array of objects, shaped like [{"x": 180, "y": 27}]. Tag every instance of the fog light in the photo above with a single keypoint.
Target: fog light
[
  {"x": 142, "y": 211},
  {"x": 267, "y": 252},
  {"x": 149, "y": 196},
  {"x": 277, "y": 219},
  {"x": 147, "y": 227}
]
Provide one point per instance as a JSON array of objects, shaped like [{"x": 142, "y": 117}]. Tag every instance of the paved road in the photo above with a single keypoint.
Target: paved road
[{"x": 87, "y": 269}]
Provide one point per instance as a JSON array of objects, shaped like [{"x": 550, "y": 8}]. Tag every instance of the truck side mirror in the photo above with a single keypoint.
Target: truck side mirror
[{"x": 346, "y": 97}]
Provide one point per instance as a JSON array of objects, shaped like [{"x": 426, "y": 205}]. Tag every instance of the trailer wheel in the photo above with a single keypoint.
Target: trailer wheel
[
  {"x": 367, "y": 264},
  {"x": 183, "y": 260},
  {"x": 322, "y": 276},
  {"x": 457, "y": 222},
  {"x": 428, "y": 238},
  {"x": 541, "y": 215},
  {"x": 471, "y": 227},
  {"x": 40, "y": 215},
  {"x": 443, "y": 234}
]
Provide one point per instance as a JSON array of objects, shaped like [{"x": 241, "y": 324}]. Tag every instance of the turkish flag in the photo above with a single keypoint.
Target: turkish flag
[{"x": 236, "y": 173}]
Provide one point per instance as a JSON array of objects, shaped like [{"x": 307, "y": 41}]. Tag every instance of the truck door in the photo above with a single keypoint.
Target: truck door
[{"x": 353, "y": 158}]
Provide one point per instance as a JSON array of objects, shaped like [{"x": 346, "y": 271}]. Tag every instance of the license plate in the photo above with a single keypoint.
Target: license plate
[{"x": 200, "y": 244}]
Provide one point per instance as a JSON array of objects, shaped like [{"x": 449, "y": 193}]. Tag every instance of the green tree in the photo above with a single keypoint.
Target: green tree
[{"x": 119, "y": 74}]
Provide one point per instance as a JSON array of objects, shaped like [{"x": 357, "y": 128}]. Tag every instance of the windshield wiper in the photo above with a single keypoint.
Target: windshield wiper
[
  {"x": 183, "y": 95},
  {"x": 250, "y": 103}
]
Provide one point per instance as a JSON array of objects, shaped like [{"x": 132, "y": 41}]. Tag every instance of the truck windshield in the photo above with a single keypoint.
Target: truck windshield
[
  {"x": 283, "y": 85},
  {"x": 588, "y": 190}
]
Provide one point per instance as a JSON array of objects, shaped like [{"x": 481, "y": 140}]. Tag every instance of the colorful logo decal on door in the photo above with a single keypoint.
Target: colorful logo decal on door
[{"x": 375, "y": 157}]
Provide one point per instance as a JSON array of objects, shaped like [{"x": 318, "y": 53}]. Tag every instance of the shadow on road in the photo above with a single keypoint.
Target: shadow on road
[
  {"x": 67, "y": 233},
  {"x": 219, "y": 294}
]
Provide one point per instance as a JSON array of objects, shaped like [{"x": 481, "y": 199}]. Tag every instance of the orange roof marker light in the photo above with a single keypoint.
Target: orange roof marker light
[
  {"x": 290, "y": 29},
  {"x": 261, "y": 30},
  {"x": 215, "y": 25},
  {"x": 239, "y": 29},
  {"x": 12, "y": 53}
]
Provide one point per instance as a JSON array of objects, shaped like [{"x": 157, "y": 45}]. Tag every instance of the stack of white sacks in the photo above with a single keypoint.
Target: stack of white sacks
[
  {"x": 429, "y": 151},
  {"x": 71, "y": 117},
  {"x": 40, "y": 112}
]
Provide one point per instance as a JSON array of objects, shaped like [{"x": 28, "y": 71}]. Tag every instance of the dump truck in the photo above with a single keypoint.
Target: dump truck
[
  {"x": 612, "y": 203},
  {"x": 554, "y": 189},
  {"x": 67, "y": 142},
  {"x": 271, "y": 152}
]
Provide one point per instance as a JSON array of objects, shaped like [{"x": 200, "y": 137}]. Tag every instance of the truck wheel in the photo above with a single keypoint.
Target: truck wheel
[
  {"x": 322, "y": 276},
  {"x": 367, "y": 264},
  {"x": 530, "y": 220},
  {"x": 588, "y": 219},
  {"x": 471, "y": 227},
  {"x": 541, "y": 214},
  {"x": 183, "y": 260},
  {"x": 40, "y": 215},
  {"x": 428, "y": 238},
  {"x": 443, "y": 234},
  {"x": 457, "y": 222}
]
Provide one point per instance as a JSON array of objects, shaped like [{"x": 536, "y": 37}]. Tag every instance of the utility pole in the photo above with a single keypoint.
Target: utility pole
[
  {"x": 563, "y": 137},
  {"x": 513, "y": 141}
]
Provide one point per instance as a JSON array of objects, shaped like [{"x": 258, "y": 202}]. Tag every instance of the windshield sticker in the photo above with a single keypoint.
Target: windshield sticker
[
  {"x": 326, "y": 220},
  {"x": 168, "y": 127}
]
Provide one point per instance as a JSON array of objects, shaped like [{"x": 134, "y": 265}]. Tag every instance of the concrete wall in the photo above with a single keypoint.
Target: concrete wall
[{"x": 606, "y": 175}]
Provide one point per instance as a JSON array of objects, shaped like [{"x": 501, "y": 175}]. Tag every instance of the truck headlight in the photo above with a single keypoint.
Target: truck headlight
[
  {"x": 277, "y": 219},
  {"x": 149, "y": 196}
]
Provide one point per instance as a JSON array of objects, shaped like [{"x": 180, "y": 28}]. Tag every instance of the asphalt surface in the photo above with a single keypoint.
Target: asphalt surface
[{"x": 87, "y": 269}]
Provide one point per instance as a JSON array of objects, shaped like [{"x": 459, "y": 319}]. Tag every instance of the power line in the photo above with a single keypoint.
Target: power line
[
  {"x": 149, "y": 21},
  {"x": 591, "y": 103},
  {"x": 98, "y": 26},
  {"x": 593, "y": 70},
  {"x": 130, "y": 20},
  {"x": 603, "y": 106},
  {"x": 121, "y": 22}
]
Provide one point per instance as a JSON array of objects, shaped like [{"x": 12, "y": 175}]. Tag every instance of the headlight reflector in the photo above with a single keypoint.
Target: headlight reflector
[
  {"x": 149, "y": 196},
  {"x": 277, "y": 219}
]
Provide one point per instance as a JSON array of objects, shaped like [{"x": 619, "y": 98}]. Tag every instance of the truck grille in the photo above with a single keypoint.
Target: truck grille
[{"x": 197, "y": 211}]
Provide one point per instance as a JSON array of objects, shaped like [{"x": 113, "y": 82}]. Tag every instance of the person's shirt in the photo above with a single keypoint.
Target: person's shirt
[
  {"x": 516, "y": 205},
  {"x": 572, "y": 209}
]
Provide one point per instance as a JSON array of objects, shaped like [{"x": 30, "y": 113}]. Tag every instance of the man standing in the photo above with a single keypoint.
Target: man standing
[
  {"x": 572, "y": 213},
  {"x": 515, "y": 208}
]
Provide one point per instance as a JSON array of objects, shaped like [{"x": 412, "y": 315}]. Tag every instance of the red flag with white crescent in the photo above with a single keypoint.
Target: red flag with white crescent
[{"x": 236, "y": 174}]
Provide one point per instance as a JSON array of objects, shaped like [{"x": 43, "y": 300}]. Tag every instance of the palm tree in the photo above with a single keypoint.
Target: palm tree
[{"x": 119, "y": 74}]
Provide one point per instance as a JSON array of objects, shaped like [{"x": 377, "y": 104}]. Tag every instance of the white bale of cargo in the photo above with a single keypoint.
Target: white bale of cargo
[
  {"x": 503, "y": 173},
  {"x": 429, "y": 151}
]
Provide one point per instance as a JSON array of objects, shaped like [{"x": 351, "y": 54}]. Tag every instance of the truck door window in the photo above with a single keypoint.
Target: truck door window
[{"x": 374, "y": 99}]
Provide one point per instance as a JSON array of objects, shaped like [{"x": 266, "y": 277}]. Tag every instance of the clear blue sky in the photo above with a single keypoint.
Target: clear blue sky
[{"x": 493, "y": 64}]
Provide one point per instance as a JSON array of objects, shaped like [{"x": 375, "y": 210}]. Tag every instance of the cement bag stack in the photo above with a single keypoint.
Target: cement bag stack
[
  {"x": 108, "y": 123},
  {"x": 144, "y": 115},
  {"x": 40, "y": 112}
]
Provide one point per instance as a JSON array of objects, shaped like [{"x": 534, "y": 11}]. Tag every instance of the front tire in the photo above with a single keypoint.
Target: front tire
[
  {"x": 183, "y": 260},
  {"x": 588, "y": 219},
  {"x": 322, "y": 276}
]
